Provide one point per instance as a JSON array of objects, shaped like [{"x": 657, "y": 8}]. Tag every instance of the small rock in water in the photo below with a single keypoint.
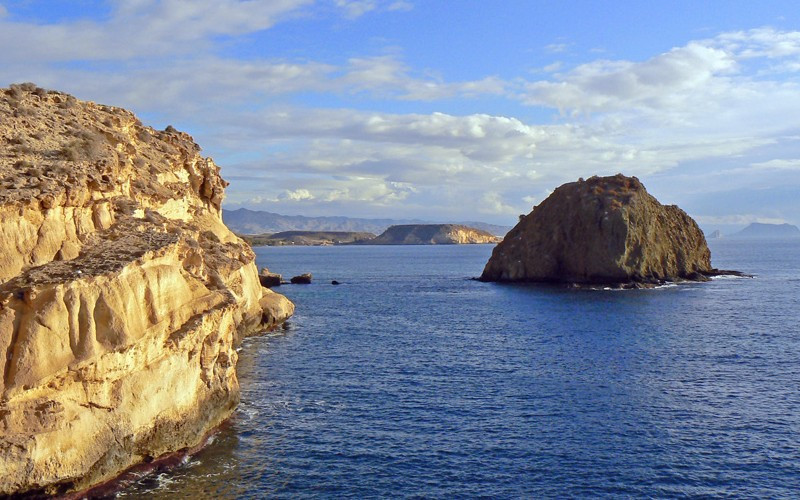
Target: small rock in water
[
  {"x": 303, "y": 279},
  {"x": 269, "y": 279},
  {"x": 334, "y": 282}
]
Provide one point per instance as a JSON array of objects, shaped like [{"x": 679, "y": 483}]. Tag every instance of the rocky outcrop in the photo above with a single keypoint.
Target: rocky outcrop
[
  {"x": 122, "y": 293},
  {"x": 605, "y": 230},
  {"x": 432, "y": 234}
]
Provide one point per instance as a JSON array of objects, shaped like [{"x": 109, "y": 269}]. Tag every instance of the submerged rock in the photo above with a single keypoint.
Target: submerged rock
[
  {"x": 123, "y": 296},
  {"x": 605, "y": 230}
]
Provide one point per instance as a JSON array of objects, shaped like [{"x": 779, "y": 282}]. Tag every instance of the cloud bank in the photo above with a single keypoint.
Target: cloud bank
[{"x": 367, "y": 134}]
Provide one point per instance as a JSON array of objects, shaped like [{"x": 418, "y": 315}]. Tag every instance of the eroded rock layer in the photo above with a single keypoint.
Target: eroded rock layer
[
  {"x": 602, "y": 230},
  {"x": 122, "y": 293}
]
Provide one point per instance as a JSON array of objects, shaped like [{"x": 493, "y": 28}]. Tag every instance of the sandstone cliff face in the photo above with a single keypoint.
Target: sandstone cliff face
[
  {"x": 602, "y": 230},
  {"x": 432, "y": 234},
  {"x": 122, "y": 293}
]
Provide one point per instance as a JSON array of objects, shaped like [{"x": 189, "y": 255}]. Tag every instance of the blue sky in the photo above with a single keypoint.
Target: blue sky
[{"x": 445, "y": 111}]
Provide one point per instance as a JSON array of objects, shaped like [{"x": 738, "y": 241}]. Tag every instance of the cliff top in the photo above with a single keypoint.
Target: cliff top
[
  {"x": 53, "y": 144},
  {"x": 83, "y": 184},
  {"x": 764, "y": 230},
  {"x": 613, "y": 191}
]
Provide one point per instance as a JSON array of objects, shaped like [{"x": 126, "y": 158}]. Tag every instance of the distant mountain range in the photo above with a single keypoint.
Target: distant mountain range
[
  {"x": 760, "y": 230},
  {"x": 244, "y": 221}
]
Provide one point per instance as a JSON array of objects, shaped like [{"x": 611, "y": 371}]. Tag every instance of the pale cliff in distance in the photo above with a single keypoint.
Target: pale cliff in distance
[
  {"x": 604, "y": 230},
  {"x": 758, "y": 230},
  {"x": 257, "y": 222},
  {"x": 122, "y": 293},
  {"x": 432, "y": 234}
]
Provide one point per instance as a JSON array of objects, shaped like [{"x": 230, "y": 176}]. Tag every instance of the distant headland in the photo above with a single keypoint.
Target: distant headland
[
  {"x": 406, "y": 234},
  {"x": 771, "y": 231},
  {"x": 257, "y": 222},
  {"x": 432, "y": 234},
  {"x": 307, "y": 238}
]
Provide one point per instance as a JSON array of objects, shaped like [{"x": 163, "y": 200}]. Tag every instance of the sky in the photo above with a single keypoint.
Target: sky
[{"x": 445, "y": 110}]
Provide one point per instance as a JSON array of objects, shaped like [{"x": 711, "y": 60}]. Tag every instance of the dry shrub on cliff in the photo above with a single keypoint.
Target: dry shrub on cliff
[
  {"x": 20, "y": 145},
  {"x": 24, "y": 111},
  {"x": 145, "y": 136},
  {"x": 71, "y": 151},
  {"x": 22, "y": 165},
  {"x": 87, "y": 145}
]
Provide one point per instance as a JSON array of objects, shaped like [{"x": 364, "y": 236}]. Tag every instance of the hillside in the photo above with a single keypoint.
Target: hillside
[{"x": 312, "y": 238}]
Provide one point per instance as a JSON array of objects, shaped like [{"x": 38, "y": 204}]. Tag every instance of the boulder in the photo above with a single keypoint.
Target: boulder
[
  {"x": 604, "y": 230},
  {"x": 269, "y": 279},
  {"x": 303, "y": 279}
]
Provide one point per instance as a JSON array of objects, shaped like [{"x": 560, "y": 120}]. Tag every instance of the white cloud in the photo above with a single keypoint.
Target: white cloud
[
  {"x": 142, "y": 29},
  {"x": 612, "y": 85},
  {"x": 356, "y": 8},
  {"x": 479, "y": 137},
  {"x": 760, "y": 42},
  {"x": 401, "y": 6},
  {"x": 493, "y": 203},
  {"x": 296, "y": 195},
  {"x": 553, "y": 67},
  {"x": 389, "y": 77},
  {"x": 777, "y": 164},
  {"x": 556, "y": 48},
  {"x": 706, "y": 101}
]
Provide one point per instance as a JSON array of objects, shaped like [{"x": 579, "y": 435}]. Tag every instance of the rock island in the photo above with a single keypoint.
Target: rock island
[{"x": 603, "y": 230}]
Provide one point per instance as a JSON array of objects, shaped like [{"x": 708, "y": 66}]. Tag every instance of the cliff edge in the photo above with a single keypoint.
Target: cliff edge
[
  {"x": 432, "y": 234},
  {"x": 122, "y": 293},
  {"x": 605, "y": 230}
]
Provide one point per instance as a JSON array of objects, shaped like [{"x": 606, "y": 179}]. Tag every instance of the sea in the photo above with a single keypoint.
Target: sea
[{"x": 412, "y": 380}]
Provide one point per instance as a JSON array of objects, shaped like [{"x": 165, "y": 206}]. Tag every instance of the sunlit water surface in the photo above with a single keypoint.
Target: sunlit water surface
[{"x": 409, "y": 379}]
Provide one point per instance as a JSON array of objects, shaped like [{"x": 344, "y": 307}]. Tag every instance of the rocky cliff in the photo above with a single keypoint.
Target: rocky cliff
[
  {"x": 602, "y": 230},
  {"x": 122, "y": 293},
  {"x": 432, "y": 234}
]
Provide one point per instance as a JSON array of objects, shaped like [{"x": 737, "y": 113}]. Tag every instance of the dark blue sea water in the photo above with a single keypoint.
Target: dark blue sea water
[{"x": 411, "y": 380}]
